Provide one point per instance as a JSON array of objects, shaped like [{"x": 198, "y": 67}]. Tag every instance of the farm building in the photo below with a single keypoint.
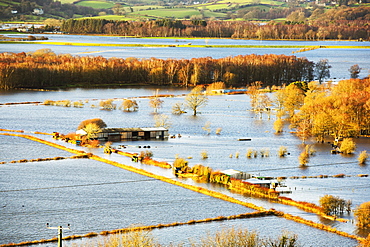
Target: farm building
[
  {"x": 236, "y": 174},
  {"x": 122, "y": 134}
]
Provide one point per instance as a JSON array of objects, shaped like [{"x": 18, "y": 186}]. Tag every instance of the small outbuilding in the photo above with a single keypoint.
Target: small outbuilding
[
  {"x": 236, "y": 174},
  {"x": 124, "y": 134}
]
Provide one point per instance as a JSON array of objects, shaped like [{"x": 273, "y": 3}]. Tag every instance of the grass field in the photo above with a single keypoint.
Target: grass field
[
  {"x": 96, "y": 4},
  {"x": 113, "y": 18},
  {"x": 179, "y": 13},
  {"x": 67, "y": 1},
  {"x": 144, "y": 7}
]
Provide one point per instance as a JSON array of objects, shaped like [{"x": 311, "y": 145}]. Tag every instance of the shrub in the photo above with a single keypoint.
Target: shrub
[
  {"x": 145, "y": 154},
  {"x": 250, "y": 153},
  {"x": 282, "y": 152},
  {"x": 303, "y": 158},
  {"x": 278, "y": 126},
  {"x": 363, "y": 156},
  {"x": 204, "y": 154},
  {"x": 348, "y": 146}
]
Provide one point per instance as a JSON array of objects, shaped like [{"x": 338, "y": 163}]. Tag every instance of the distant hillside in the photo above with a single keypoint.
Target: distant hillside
[{"x": 297, "y": 11}]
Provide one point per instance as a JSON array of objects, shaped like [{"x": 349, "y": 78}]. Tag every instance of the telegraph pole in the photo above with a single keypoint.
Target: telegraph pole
[{"x": 60, "y": 232}]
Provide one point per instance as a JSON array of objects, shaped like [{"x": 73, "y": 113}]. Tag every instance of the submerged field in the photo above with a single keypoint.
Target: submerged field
[{"x": 93, "y": 196}]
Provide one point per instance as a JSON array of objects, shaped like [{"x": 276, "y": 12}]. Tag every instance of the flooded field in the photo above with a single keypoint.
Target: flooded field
[{"x": 94, "y": 196}]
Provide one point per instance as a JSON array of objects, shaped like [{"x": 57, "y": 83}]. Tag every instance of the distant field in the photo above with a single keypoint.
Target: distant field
[
  {"x": 145, "y": 7},
  {"x": 7, "y": 3},
  {"x": 67, "y": 1},
  {"x": 216, "y": 6},
  {"x": 112, "y": 17},
  {"x": 164, "y": 13},
  {"x": 270, "y": 2},
  {"x": 96, "y": 4}
]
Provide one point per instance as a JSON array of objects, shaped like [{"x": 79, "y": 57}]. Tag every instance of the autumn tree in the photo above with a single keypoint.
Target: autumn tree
[
  {"x": 278, "y": 125},
  {"x": 196, "y": 99},
  {"x": 334, "y": 205},
  {"x": 215, "y": 86},
  {"x": 293, "y": 98},
  {"x": 129, "y": 105},
  {"x": 362, "y": 214},
  {"x": 348, "y": 146},
  {"x": 99, "y": 122},
  {"x": 107, "y": 104},
  {"x": 92, "y": 130}
]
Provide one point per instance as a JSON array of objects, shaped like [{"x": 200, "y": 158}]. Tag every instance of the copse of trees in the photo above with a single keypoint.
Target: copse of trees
[
  {"x": 47, "y": 70},
  {"x": 339, "y": 111},
  {"x": 315, "y": 30}
]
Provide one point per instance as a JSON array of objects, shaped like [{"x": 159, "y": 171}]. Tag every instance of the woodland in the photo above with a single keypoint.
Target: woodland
[
  {"x": 44, "y": 69},
  {"x": 318, "y": 30}
]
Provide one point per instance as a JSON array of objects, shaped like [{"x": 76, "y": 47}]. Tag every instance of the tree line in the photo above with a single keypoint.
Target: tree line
[
  {"x": 44, "y": 69},
  {"x": 317, "y": 30}
]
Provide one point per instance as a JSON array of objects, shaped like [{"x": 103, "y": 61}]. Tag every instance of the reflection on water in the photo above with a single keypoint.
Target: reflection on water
[{"x": 93, "y": 196}]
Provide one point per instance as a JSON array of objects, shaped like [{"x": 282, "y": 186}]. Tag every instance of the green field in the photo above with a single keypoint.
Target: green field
[
  {"x": 113, "y": 17},
  {"x": 179, "y": 13},
  {"x": 96, "y": 4},
  {"x": 67, "y": 1}
]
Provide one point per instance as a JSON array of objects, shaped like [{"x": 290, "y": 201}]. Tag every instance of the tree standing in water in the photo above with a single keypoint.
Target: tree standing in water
[
  {"x": 322, "y": 70},
  {"x": 196, "y": 99}
]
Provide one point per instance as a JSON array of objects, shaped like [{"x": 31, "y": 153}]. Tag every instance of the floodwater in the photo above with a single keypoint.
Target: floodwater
[
  {"x": 94, "y": 196},
  {"x": 340, "y": 59}
]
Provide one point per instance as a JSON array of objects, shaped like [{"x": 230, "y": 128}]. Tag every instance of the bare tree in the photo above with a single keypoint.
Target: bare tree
[
  {"x": 155, "y": 103},
  {"x": 178, "y": 109},
  {"x": 355, "y": 70},
  {"x": 162, "y": 120},
  {"x": 322, "y": 70},
  {"x": 196, "y": 99}
]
